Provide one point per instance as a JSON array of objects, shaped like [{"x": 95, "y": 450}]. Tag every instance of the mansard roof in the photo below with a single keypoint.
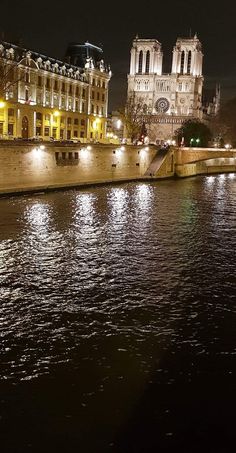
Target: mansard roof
[{"x": 40, "y": 61}]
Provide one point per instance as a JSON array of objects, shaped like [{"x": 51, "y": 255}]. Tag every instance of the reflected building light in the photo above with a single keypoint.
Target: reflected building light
[
  {"x": 118, "y": 202},
  {"x": 210, "y": 180},
  {"x": 231, "y": 175},
  {"x": 144, "y": 195},
  {"x": 84, "y": 207},
  {"x": 38, "y": 217}
]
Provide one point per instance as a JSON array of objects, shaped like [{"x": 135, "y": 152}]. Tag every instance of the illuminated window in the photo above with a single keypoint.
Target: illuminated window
[{"x": 47, "y": 117}]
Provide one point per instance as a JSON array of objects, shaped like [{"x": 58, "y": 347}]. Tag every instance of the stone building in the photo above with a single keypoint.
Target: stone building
[
  {"x": 167, "y": 100},
  {"x": 45, "y": 97}
]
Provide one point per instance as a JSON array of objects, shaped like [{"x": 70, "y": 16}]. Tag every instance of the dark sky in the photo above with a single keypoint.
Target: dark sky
[{"x": 48, "y": 26}]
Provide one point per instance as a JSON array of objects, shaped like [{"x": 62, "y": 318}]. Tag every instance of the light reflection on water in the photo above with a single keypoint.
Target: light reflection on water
[{"x": 106, "y": 283}]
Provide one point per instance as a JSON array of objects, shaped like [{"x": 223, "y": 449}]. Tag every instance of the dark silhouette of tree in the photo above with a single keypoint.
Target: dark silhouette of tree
[
  {"x": 193, "y": 133},
  {"x": 224, "y": 124}
]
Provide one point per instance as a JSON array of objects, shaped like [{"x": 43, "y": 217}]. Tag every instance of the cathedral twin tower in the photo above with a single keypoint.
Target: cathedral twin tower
[{"x": 168, "y": 99}]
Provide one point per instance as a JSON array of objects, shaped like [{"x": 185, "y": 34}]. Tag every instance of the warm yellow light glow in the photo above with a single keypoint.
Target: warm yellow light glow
[
  {"x": 56, "y": 113},
  {"x": 2, "y": 104}
]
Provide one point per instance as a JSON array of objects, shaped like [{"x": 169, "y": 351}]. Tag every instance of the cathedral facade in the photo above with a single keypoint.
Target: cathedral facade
[{"x": 167, "y": 100}]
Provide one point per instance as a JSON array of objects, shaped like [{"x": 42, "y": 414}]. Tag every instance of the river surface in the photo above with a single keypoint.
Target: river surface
[{"x": 118, "y": 318}]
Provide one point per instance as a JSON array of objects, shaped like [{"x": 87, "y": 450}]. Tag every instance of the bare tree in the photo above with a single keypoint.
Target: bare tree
[{"x": 132, "y": 115}]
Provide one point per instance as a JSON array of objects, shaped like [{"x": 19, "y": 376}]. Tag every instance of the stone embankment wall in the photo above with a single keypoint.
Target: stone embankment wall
[
  {"x": 47, "y": 166},
  {"x": 27, "y": 167}
]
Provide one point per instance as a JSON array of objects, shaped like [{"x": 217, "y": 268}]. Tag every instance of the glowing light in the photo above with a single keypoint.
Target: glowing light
[
  {"x": 228, "y": 146},
  {"x": 56, "y": 113},
  {"x": 118, "y": 124},
  {"x": 42, "y": 147},
  {"x": 2, "y": 104},
  {"x": 89, "y": 148}
]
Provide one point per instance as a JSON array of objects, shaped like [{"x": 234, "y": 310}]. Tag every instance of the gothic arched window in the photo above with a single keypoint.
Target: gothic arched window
[
  {"x": 140, "y": 62},
  {"x": 182, "y": 63},
  {"x": 189, "y": 62},
  {"x": 147, "y": 61}
]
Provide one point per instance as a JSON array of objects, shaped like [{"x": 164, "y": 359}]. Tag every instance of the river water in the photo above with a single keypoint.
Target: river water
[{"x": 118, "y": 318}]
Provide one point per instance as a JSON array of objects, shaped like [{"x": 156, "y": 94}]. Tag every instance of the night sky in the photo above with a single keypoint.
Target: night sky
[{"x": 48, "y": 26}]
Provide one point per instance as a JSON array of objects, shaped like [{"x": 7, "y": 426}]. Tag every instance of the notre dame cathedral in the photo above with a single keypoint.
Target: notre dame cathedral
[{"x": 167, "y": 100}]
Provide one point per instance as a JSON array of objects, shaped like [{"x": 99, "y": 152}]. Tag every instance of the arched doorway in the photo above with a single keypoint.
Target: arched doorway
[{"x": 25, "y": 127}]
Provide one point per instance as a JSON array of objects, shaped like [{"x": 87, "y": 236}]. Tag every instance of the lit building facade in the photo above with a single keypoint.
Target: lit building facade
[
  {"x": 167, "y": 100},
  {"x": 48, "y": 98}
]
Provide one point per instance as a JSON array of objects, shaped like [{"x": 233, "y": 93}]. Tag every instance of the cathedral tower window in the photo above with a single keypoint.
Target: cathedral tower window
[
  {"x": 189, "y": 62},
  {"x": 140, "y": 62},
  {"x": 147, "y": 62},
  {"x": 182, "y": 63}
]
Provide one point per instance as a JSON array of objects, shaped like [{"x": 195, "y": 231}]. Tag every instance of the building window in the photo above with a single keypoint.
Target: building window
[
  {"x": 55, "y": 85},
  {"x": 82, "y": 122},
  {"x": 97, "y": 110},
  {"x": 147, "y": 61},
  {"x": 10, "y": 129},
  {"x": 98, "y": 96},
  {"x": 70, "y": 89},
  {"x": 92, "y": 108},
  {"x": 39, "y": 81},
  {"x": 76, "y": 121},
  {"x": 39, "y": 116},
  {"x": 38, "y": 130},
  {"x": 69, "y": 121},
  {"x": 47, "y": 117},
  {"x": 83, "y": 93},
  {"x": 27, "y": 77},
  {"x": 26, "y": 95},
  {"x": 68, "y": 135},
  {"x": 76, "y": 106},
  {"x": 77, "y": 91},
  {"x": 103, "y": 97},
  {"x": 10, "y": 112},
  {"x": 189, "y": 62},
  {"x": 182, "y": 63},
  {"x": 92, "y": 95},
  {"x": 83, "y": 107},
  {"x": 1, "y": 128},
  {"x": 61, "y": 134},
  {"x": 54, "y": 132},
  {"x": 63, "y": 87},
  {"x": 81, "y": 134},
  {"x": 46, "y": 131},
  {"x": 47, "y": 83},
  {"x": 140, "y": 62},
  {"x": 62, "y": 119},
  {"x": 75, "y": 133},
  {"x": 93, "y": 82}
]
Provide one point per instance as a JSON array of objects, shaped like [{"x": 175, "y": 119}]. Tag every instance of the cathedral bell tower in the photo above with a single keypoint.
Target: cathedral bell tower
[{"x": 187, "y": 57}]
